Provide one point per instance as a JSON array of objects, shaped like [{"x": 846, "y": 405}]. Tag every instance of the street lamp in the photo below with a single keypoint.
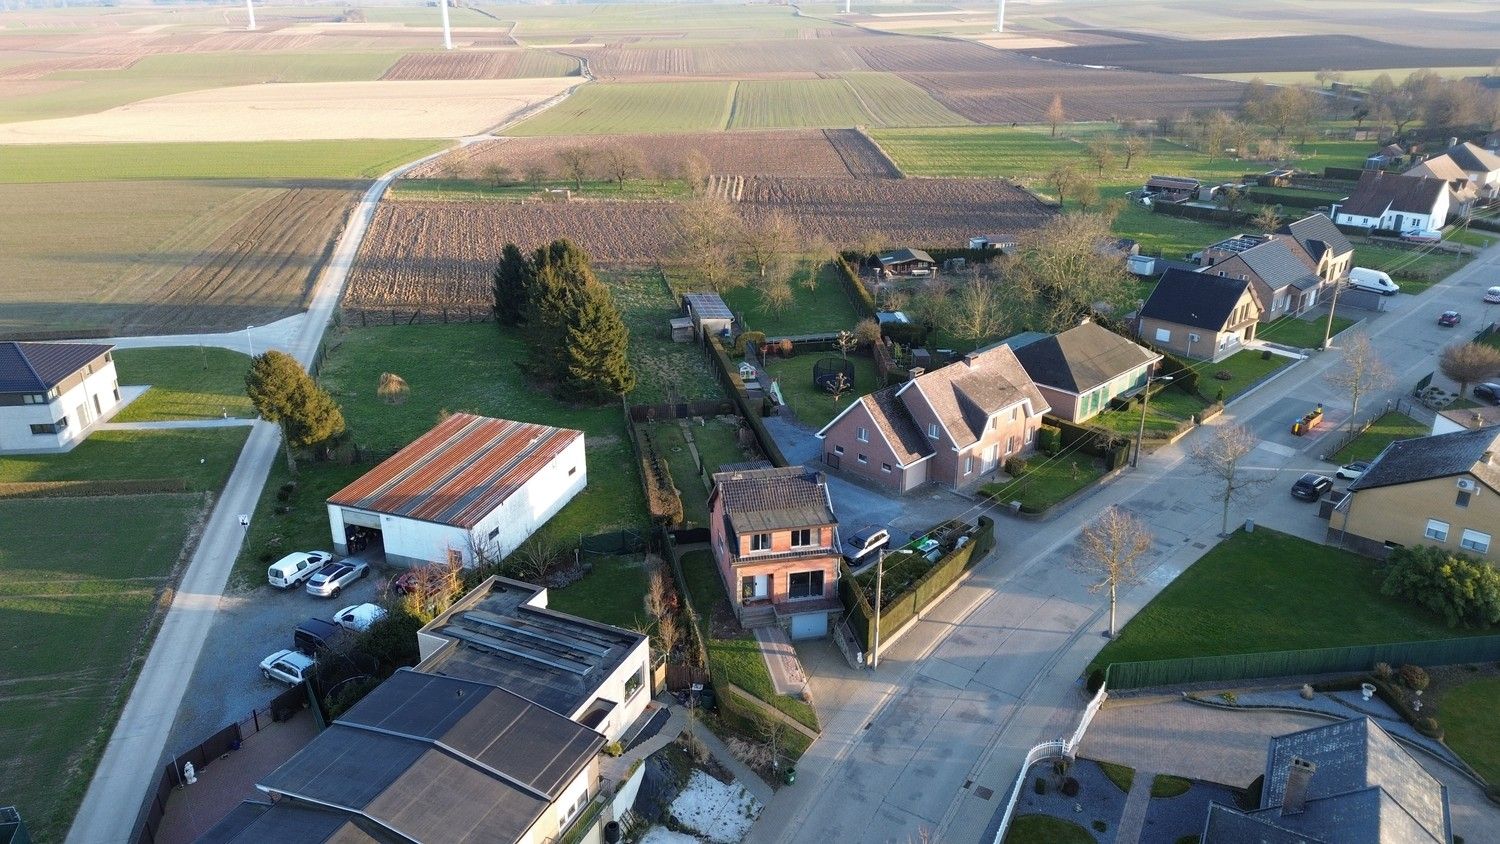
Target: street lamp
[
  {"x": 250, "y": 340},
  {"x": 1140, "y": 435}
]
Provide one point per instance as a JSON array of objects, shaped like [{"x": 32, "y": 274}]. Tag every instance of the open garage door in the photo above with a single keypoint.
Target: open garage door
[{"x": 360, "y": 517}]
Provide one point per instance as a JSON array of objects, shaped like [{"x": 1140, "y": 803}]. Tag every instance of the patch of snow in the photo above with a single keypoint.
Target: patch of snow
[
  {"x": 720, "y": 813},
  {"x": 662, "y": 835}
]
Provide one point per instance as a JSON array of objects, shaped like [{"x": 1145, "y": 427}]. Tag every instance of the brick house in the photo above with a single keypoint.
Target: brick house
[
  {"x": 953, "y": 426},
  {"x": 1283, "y": 278},
  {"x": 1205, "y": 317},
  {"x": 1331, "y": 253},
  {"x": 776, "y": 544}
]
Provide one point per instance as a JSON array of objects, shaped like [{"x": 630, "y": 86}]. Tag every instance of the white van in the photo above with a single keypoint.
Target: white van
[
  {"x": 1374, "y": 281},
  {"x": 295, "y": 568}
]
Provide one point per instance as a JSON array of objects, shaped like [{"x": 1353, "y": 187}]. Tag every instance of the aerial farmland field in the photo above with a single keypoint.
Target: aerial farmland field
[
  {"x": 356, "y": 159},
  {"x": 613, "y": 108}
]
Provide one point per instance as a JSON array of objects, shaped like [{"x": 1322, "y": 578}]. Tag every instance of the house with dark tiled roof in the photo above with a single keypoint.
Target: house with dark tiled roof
[
  {"x": 1396, "y": 203},
  {"x": 954, "y": 426},
  {"x": 1321, "y": 241},
  {"x": 906, "y": 262},
  {"x": 1199, "y": 315},
  {"x": 1348, "y": 781},
  {"x": 51, "y": 394},
  {"x": 1080, "y": 370},
  {"x": 1283, "y": 277},
  {"x": 1468, "y": 162},
  {"x": 776, "y": 545},
  {"x": 1442, "y": 490}
]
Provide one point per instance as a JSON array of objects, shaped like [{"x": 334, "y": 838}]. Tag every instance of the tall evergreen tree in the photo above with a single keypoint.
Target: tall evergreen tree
[
  {"x": 595, "y": 355},
  {"x": 560, "y": 274},
  {"x": 512, "y": 284},
  {"x": 283, "y": 392}
]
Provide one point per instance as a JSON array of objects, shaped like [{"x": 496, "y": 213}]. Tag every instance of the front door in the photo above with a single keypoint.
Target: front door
[
  {"x": 755, "y": 587},
  {"x": 1399, "y": 221},
  {"x": 991, "y": 454}
]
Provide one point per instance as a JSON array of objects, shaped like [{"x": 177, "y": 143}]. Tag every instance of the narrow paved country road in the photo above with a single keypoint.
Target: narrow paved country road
[
  {"x": 926, "y": 748},
  {"x": 128, "y": 768}
]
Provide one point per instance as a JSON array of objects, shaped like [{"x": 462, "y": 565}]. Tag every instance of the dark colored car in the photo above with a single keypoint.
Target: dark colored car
[
  {"x": 1311, "y": 486},
  {"x": 860, "y": 546},
  {"x": 1450, "y": 318},
  {"x": 1488, "y": 391},
  {"x": 315, "y": 633}
]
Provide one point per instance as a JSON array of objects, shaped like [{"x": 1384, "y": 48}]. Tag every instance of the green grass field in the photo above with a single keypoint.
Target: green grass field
[
  {"x": 857, "y": 99},
  {"x": 1047, "y": 481},
  {"x": 665, "y": 371},
  {"x": 716, "y": 444},
  {"x": 251, "y": 160},
  {"x": 1045, "y": 829},
  {"x": 1267, "y": 591},
  {"x": 820, "y": 309},
  {"x": 187, "y": 383},
  {"x": 1470, "y": 727},
  {"x": 626, "y": 107},
  {"x": 203, "y": 456},
  {"x": 1301, "y": 333},
  {"x": 76, "y": 620},
  {"x": 1381, "y": 433},
  {"x": 1245, "y": 369},
  {"x": 813, "y": 407},
  {"x": 611, "y": 593}
]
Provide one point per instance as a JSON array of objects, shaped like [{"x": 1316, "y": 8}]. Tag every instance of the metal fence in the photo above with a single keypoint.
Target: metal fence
[{"x": 1200, "y": 669}]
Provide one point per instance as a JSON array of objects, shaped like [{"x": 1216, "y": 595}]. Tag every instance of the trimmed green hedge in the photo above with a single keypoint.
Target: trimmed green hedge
[{"x": 74, "y": 489}]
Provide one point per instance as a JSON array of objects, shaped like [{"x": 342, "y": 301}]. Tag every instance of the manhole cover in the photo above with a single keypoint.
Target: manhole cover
[
  {"x": 984, "y": 793},
  {"x": 1199, "y": 545}
]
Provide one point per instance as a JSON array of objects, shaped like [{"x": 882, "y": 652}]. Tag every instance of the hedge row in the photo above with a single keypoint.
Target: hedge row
[
  {"x": 75, "y": 489},
  {"x": 751, "y": 409},
  {"x": 662, "y": 497},
  {"x": 1194, "y": 212},
  {"x": 859, "y": 295}
]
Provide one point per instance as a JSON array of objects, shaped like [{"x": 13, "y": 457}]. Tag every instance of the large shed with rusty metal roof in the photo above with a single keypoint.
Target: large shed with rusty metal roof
[{"x": 473, "y": 488}]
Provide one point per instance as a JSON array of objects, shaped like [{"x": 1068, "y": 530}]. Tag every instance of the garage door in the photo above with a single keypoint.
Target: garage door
[
  {"x": 361, "y": 518},
  {"x": 810, "y": 625}
]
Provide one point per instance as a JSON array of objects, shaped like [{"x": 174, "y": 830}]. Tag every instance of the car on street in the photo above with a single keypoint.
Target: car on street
[
  {"x": 295, "y": 568},
  {"x": 860, "y": 546},
  {"x": 1352, "y": 471},
  {"x": 330, "y": 580},
  {"x": 1311, "y": 486},
  {"x": 1492, "y": 295},
  {"x": 1450, "y": 318},
  {"x": 359, "y": 617},
  {"x": 1488, "y": 391},
  {"x": 1422, "y": 236},
  {"x": 288, "y": 666}
]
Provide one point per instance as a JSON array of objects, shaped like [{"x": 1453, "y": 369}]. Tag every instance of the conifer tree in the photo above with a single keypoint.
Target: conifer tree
[
  {"x": 511, "y": 284},
  {"x": 597, "y": 346},
  {"x": 283, "y": 392}
]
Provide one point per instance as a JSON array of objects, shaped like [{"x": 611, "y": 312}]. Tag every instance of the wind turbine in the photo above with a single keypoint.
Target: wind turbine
[
  {"x": 250, "y": 8},
  {"x": 1000, "y": 17},
  {"x": 447, "y": 32}
]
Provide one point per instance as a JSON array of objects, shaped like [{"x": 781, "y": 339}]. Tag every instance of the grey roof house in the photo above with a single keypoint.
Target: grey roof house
[
  {"x": 1199, "y": 315},
  {"x": 1080, "y": 370},
  {"x": 51, "y": 394},
  {"x": 1396, "y": 203},
  {"x": 1285, "y": 281}
]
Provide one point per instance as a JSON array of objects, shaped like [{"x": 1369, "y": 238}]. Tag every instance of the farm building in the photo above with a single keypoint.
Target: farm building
[
  {"x": 906, "y": 262},
  {"x": 1174, "y": 188},
  {"x": 709, "y": 313},
  {"x": 470, "y": 484},
  {"x": 52, "y": 393}
]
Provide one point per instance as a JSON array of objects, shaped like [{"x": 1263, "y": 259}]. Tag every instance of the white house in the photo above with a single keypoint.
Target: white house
[
  {"x": 1470, "y": 162},
  {"x": 1396, "y": 203},
  {"x": 51, "y": 393},
  {"x": 472, "y": 484}
]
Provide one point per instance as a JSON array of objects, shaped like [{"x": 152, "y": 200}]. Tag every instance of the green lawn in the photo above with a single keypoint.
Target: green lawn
[
  {"x": 75, "y": 623},
  {"x": 1471, "y": 237},
  {"x": 821, "y": 309},
  {"x": 1245, "y": 369},
  {"x": 1045, "y": 829},
  {"x": 239, "y": 160},
  {"x": 1123, "y": 776},
  {"x": 611, "y": 108},
  {"x": 300, "y": 523},
  {"x": 814, "y": 407},
  {"x": 1413, "y": 269},
  {"x": 186, "y": 383},
  {"x": 1267, "y": 591},
  {"x": 665, "y": 371},
  {"x": 716, "y": 444},
  {"x": 1381, "y": 433},
  {"x": 736, "y": 661},
  {"x": 1046, "y": 481},
  {"x": 1301, "y": 333},
  {"x": 612, "y": 593},
  {"x": 1470, "y": 726},
  {"x": 1169, "y": 407},
  {"x": 1166, "y": 785},
  {"x": 203, "y": 456}
]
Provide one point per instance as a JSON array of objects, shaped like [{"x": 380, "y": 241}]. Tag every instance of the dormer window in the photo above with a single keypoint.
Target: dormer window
[
  {"x": 802, "y": 538},
  {"x": 760, "y": 542}
]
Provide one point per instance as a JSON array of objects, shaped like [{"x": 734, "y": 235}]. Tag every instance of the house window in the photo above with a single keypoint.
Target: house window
[
  {"x": 33, "y": 398},
  {"x": 1010, "y": 444},
  {"x": 968, "y": 465},
  {"x": 1015, "y": 413},
  {"x": 760, "y": 542},
  {"x": 1163, "y": 335},
  {"x": 572, "y": 471},
  {"x": 1475, "y": 541},
  {"x": 44, "y": 429},
  {"x": 117, "y": 393},
  {"x": 1463, "y": 499},
  {"x": 634, "y": 682},
  {"x": 885, "y": 467},
  {"x": 494, "y": 534},
  {"x": 805, "y": 584},
  {"x": 802, "y": 538},
  {"x": 863, "y": 459},
  {"x": 932, "y": 430},
  {"x": 1437, "y": 530},
  {"x": 1029, "y": 433},
  {"x": 862, "y": 434},
  {"x": 838, "y": 449}
]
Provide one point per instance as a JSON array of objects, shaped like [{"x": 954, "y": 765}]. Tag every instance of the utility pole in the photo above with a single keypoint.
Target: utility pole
[
  {"x": 846, "y": 6},
  {"x": 447, "y": 32},
  {"x": 879, "y": 577},
  {"x": 1333, "y": 303},
  {"x": 1000, "y": 17},
  {"x": 1140, "y": 435},
  {"x": 250, "y": 8}
]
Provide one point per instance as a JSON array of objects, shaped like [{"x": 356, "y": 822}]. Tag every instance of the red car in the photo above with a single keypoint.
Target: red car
[{"x": 1450, "y": 318}]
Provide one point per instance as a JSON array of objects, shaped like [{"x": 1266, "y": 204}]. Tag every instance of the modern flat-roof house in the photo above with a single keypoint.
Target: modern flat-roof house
[
  {"x": 471, "y": 487},
  {"x": 425, "y": 758},
  {"x": 1348, "y": 781},
  {"x": 953, "y": 426},
  {"x": 1442, "y": 490},
  {"x": 1080, "y": 370},
  {"x": 776, "y": 544},
  {"x": 1199, "y": 315},
  {"x": 502, "y": 634},
  {"x": 51, "y": 393},
  {"x": 1395, "y": 203}
]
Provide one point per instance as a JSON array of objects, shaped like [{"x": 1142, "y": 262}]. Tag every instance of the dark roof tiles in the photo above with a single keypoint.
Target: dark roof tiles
[
  {"x": 771, "y": 499},
  {"x": 1082, "y": 358},
  {"x": 896, "y": 423},
  {"x": 1379, "y": 192},
  {"x": 1440, "y": 456},
  {"x": 1277, "y": 265},
  {"x": 38, "y": 367},
  {"x": 1318, "y": 234},
  {"x": 1197, "y": 300}
]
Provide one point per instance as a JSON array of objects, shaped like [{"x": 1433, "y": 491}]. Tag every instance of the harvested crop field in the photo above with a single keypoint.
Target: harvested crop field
[
  {"x": 190, "y": 255},
  {"x": 1247, "y": 55},
  {"x": 482, "y": 64},
  {"x": 441, "y": 254},
  {"x": 309, "y": 111},
  {"x": 794, "y": 152},
  {"x": 1088, "y": 94}
]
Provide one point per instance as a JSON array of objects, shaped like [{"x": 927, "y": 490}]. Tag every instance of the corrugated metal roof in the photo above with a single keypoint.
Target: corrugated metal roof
[
  {"x": 38, "y": 367},
  {"x": 459, "y": 472}
]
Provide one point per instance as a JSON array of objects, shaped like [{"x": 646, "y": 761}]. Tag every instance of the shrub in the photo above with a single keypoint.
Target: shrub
[
  {"x": 614, "y": 748},
  {"x": 284, "y": 493},
  {"x": 1414, "y": 677},
  {"x": 1070, "y": 787},
  {"x": 1465, "y": 591},
  {"x": 1100, "y": 826},
  {"x": 1015, "y": 467},
  {"x": 1049, "y": 439},
  {"x": 1219, "y": 396},
  {"x": 1229, "y": 697},
  {"x": 745, "y": 339},
  {"x": 1096, "y": 681},
  {"x": 1429, "y": 727},
  {"x": 1223, "y": 375},
  {"x": 1383, "y": 671},
  {"x": 786, "y": 348},
  {"x": 1040, "y": 786}
]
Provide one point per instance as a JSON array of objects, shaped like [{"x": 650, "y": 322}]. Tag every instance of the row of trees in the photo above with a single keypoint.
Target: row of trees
[
  {"x": 724, "y": 250},
  {"x": 618, "y": 163},
  {"x": 577, "y": 338}
]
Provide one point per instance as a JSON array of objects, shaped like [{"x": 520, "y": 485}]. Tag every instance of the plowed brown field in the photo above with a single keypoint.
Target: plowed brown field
[{"x": 489, "y": 64}]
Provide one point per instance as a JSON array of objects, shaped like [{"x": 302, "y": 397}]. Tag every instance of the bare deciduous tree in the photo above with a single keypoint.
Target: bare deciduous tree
[
  {"x": 1135, "y": 147},
  {"x": 1468, "y": 363},
  {"x": 668, "y": 634},
  {"x": 1061, "y": 179},
  {"x": 1059, "y": 277},
  {"x": 1102, "y": 151},
  {"x": 1055, "y": 113},
  {"x": 775, "y": 296},
  {"x": 837, "y": 386},
  {"x": 534, "y": 559},
  {"x": 767, "y": 243},
  {"x": 1361, "y": 372},
  {"x": 623, "y": 162},
  {"x": 655, "y": 599},
  {"x": 1266, "y": 219},
  {"x": 576, "y": 164},
  {"x": 1108, "y": 550},
  {"x": 1219, "y": 455},
  {"x": 978, "y": 309},
  {"x": 695, "y": 170},
  {"x": 497, "y": 174},
  {"x": 392, "y": 388},
  {"x": 1085, "y": 191},
  {"x": 845, "y": 342},
  {"x": 535, "y": 174},
  {"x": 867, "y": 333},
  {"x": 706, "y": 235}
]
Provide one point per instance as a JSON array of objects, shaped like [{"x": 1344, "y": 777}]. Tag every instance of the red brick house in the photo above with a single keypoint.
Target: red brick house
[
  {"x": 776, "y": 544},
  {"x": 954, "y": 426}
]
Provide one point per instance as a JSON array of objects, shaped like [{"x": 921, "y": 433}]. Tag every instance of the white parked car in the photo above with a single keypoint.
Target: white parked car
[
  {"x": 295, "y": 568},
  {"x": 1492, "y": 295},
  {"x": 288, "y": 666},
  {"x": 330, "y": 580},
  {"x": 359, "y": 617},
  {"x": 1352, "y": 471}
]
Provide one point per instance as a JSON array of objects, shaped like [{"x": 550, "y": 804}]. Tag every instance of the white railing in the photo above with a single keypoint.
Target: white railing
[{"x": 1055, "y": 749}]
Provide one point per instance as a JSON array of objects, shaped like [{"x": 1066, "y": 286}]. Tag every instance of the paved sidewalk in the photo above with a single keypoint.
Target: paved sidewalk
[
  {"x": 1136, "y": 804},
  {"x": 781, "y": 660}
]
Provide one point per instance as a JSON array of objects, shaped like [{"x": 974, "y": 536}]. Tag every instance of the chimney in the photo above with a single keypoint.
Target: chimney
[
  {"x": 1452, "y": 142},
  {"x": 1488, "y": 458},
  {"x": 1298, "y": 775},
  {"x": 970, "y": 358},
  {"x": 914, "y": 373}
]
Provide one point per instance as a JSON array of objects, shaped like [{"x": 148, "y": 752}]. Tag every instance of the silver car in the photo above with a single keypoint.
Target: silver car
[
  {"x": 287, "y": 666},
  {"x": 330, "y": 580}
]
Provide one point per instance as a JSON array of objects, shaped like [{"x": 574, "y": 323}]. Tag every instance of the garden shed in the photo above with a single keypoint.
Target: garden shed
[{"x": 709, "y": 313}]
